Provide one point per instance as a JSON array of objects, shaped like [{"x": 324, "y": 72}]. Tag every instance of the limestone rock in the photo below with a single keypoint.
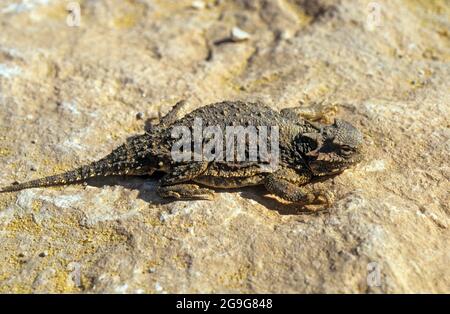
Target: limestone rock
[{"x": 69, "y": 94}]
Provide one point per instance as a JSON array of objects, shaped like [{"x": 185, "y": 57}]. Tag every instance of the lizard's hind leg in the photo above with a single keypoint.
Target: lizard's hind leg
[
  {"x": 285, "y": 184},
  {"x": 166, "y": 120},
  {"x": 173, "y": 114},
  {"x": 322, "y": 112},
  {"x": 183, "y": 173},
  {"x": 172, "y": 186},
  {"x": 185, "y": 191}
]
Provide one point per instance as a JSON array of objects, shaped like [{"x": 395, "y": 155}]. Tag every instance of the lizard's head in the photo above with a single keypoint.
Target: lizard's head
[{"x": 332, "y": 149}]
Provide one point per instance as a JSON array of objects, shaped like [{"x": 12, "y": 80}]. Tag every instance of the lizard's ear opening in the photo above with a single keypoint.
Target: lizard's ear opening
[{"x": 310, "y": 143}]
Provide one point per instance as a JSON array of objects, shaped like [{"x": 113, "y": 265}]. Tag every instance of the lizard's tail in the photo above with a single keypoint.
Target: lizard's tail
[{"x": 73, "y": 176}]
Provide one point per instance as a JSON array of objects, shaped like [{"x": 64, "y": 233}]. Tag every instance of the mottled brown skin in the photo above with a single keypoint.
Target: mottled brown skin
[{"x": 307, "y": 150}]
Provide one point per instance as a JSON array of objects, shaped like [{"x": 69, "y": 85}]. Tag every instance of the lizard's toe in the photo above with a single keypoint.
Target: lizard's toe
[
  {"x": 204, "y": 194},
  {"x": 319, "y": 201},
  {"x": 186, "y": 192},
  {"x": 324, "y": 198}
]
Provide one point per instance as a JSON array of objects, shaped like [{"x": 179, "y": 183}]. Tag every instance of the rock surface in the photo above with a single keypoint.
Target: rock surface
[{"x": 70, "y": 94}]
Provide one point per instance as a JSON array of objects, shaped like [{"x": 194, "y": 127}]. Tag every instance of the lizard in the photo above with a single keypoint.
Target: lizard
[{"x": 307, "y": 150}]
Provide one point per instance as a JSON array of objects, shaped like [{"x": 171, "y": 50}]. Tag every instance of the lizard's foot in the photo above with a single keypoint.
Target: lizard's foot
[
  {"x": 319, "y": 201},
  {"x": 321, "y": 198},
  {"x": 309, "y": 198},
  {"x": 185, "y": 192}
]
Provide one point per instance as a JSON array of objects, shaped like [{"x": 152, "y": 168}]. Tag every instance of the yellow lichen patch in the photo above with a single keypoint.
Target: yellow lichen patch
[
  {"x": 58, "y": 168},
  {"x": 4, "y": 152},
  {"x": 103, "y": 235},
  {"x": 431, "y": 15},
  {"x": 125, "y": 21},
  {"x": 168, "y": 8},
  {"x": 41, "y": 68},
  {"x": 3, "y": 276},
  {"x": 6, "y": 200},
  {"x": 55, "y": 167},
  {"x": 128, "y": 128},
  {"x": 302, "y": 18},
  {"x": 90, "y": 238},
  {"x": 235, "y": 280},
  {"x": 57, "y": 11},
  {"x": 130, "y": 14},
  {"x": 262, "y": 81},
  {"x": 13, "y": 261},
  {"x": 51, "y": 238},
  {"x": 115, "y": 136},
  {"x": 152, "y": 220},
  {"x": 226, "y": 79},
  {"x": 60, "y": 281},
  {"x": 24, "y": 224},
  {"x": 435, "y": 7},
  {"x": 151, "y": 264},
  {"x": 36, "y": 206},
  {"x": 16, "y": 288},
  {"x": 182, "y": 260}
]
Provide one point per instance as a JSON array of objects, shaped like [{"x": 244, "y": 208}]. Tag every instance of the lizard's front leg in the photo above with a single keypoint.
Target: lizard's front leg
[{"x": 286, "y": 183}]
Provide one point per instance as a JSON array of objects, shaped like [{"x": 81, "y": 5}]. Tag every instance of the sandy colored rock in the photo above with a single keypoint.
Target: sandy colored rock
[{"x": 69, "y": 95}]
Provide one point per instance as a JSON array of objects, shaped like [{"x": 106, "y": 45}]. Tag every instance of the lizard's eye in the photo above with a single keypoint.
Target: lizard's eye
[{"x": 346, "y": 150}]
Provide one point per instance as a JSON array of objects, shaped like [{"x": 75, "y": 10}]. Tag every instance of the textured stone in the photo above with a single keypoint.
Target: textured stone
[{"x": 68, "y": 95}]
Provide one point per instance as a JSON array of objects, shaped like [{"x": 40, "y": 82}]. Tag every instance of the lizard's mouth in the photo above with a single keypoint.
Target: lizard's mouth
[{"x": 323, "y": 168}]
